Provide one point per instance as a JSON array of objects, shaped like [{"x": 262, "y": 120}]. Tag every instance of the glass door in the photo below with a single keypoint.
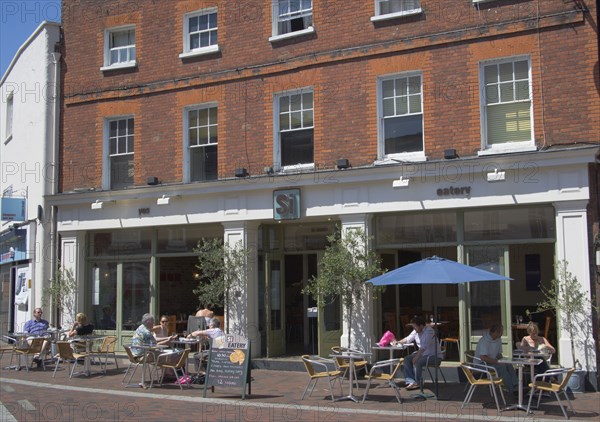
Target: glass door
[
  {"x": 274, "y": 299},
  {"x": 489, "y": 300}
]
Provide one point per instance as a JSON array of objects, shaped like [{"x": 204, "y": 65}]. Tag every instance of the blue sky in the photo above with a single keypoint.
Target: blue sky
[{"x": 18, "y": 20}]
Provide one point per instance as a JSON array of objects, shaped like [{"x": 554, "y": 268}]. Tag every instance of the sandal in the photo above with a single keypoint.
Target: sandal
[{"x": 412, "y": 386}]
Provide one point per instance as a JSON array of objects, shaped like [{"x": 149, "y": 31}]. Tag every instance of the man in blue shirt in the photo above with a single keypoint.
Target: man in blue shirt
[{"x": 36, "y": 326}]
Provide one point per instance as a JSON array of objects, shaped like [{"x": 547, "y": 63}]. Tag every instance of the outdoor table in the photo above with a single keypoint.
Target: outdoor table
[
  {"x": 520, "y": 363},
  {"x": 88, "y": 341},
  {"x": 149, "y": 349},
  {"x": 351, "y": 358},
  {"x": 392, "y": 349}
]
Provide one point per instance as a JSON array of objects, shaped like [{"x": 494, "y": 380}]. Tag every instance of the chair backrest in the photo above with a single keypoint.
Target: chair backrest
[
  {"x": 64, "y": 350},
  {"x": 36, "y": 345},
  {"x": 396, "y": 368},
  {"x": 565, "y": 380},
  {"x": 468, "y": 373},
  {"x": 130, "y": 356},
  {"x": 183, "y": 359},
  {"x": 308, "y": 365},
  {"x": 108, "y": 344},
  {"x": 469, "y": 356},
  {"x": 547, "y": 327},
  {"x": 196, "y": 323}
]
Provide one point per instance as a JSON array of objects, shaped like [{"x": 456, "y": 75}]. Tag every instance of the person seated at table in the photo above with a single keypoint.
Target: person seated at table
[
  {"x": 424, "y": 336},
  {"x": 214, "y": 330},
  {"x": 81, "y": 327},
  {"x": 207, "y": 313},
  {"x": 37, "y": 326},
  {"x": 538, "y": 343},
  {"x": 143, "y": 335},
  {"x": 489, "y": 350},
  {"x": 161, "y": 332}
]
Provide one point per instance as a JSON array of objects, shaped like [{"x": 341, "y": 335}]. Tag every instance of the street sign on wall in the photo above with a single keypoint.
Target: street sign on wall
[
  {"x": 13, "y": 209},
  {"x": 286, "y": 204}
]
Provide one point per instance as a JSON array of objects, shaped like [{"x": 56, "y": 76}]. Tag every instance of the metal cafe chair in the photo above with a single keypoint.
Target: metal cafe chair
[
  {"x": 376, "y": 373},
  {"x": 542, "y": 383},
  {"x": 485, "y": 378},
  {"x": 316, "y": 367}
]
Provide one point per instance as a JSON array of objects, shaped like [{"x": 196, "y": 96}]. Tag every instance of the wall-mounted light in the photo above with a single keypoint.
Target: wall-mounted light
[
  {"x": 342, "y": 163},
  {"x": 450, "y": 154},
  {"x": 98, "y": 205},
  {"x": 268, "y": 170},
  {"x": 496, "y": 176},
  {"x": 400, "y": 183},
  {"x": 152, "y": 180},
  {"x": 241, "y": 172},
  {"x": 163, "y": 200}
]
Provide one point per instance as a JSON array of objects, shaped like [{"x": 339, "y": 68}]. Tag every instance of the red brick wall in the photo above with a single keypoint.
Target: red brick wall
[{"x": 342, "y": 62}]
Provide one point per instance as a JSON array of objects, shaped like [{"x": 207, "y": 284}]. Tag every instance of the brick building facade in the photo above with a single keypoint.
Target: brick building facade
[{"x": 339, "y": 100}]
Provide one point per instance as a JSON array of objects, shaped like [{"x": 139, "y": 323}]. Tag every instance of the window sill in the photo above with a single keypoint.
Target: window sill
[
  {"x": 508, "y": 148},
  {"x": 297, "y": 168},
  {"x": 119, "y": 66},
  {"x": 200, "y": 52},
  {"x": 309, "y": 30},
  {"x": 395, "y": 15},
  {"x": 409, "y": 157},
  {"x": 8, "y": 139}
]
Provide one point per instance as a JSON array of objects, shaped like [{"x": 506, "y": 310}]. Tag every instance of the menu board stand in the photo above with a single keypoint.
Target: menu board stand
[{"x": 229, "y": 364}]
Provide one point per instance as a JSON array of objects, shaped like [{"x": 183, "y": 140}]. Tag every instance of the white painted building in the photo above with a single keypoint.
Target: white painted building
[{"x": 28, "y": 152}]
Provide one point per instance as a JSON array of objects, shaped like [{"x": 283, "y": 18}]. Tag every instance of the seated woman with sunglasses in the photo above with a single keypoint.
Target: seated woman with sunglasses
[{"x": 161, "y": 331}]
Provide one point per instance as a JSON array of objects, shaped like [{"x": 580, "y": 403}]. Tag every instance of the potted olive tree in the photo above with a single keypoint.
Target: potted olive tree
[
  {"x": 565, "y": 297},
  {"x": 60, "y": 295},
  {"x": 222, "y": 273},
  {"x": 343, "y": 270}
]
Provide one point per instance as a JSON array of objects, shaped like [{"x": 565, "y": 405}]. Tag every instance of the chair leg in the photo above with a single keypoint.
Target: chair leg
[
  {"x": 561, "y": 405},
  {"x": 306, "y": 388},
  {"x": 393, "y": 385},
  {"x": 366, "y": 390},
  {"x": 467, "y": 399},
  {"x": 531, "y": 393},
  {"x": 56, "y": 366},
  {"x": 495, "y": 397}
]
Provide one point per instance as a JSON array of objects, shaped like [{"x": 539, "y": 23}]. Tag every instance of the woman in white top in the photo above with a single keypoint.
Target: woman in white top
[{"x": 161, "y": 331}]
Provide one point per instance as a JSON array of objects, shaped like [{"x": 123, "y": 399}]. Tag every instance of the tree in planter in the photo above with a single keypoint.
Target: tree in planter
[
  {"x": 222, "y": 269},
  {"x": 565, "y": 297},
  {"x": 343, "y": 270},
  {"x": 61, "y": 293}
]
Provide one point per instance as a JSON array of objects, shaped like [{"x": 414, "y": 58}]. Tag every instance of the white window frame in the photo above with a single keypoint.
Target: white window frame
[
  {"x": 187, "y": 50},
  {"x": 187, "y": 158},
  {"x": 520, "y": 146},
  {"x": 386, "y": 16},
  {"x": 276, "y": 36},
  {"x": 294, "y": 168},
  {"x": 415, "y": 156},
  {"x": 107, "y": 49},
  {"x": 10, "y": 114},
  {"x": 106, "y": 164}
]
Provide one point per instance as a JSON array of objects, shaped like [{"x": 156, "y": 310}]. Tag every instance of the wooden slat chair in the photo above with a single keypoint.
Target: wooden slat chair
[
  {"x": 343, "y": 364},
  {"x": 163, "y": 362},
  {"x": 66, "y": 354},
  {"x": 376, "y": 374},
  {"x": 542, "y": 383},
  {"x": 104, "y": 350},
  {"x": 317, "y": 369},
  {"x": 485, "y": 378},
  {"x": 33, "y": 348}
]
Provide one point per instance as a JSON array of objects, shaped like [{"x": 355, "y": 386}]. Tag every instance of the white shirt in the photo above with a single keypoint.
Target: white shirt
[{"x": 425, "y": 341}]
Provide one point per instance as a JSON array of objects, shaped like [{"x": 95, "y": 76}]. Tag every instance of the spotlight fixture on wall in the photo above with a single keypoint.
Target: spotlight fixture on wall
[
  {"x": 400, "y": 183},
  {"x": 342, "y": 163},
  {"x": 152, "y": 180},
  {"x": 98, "y": 205},
  {"x": 268, "y": 170},
  {"x": 450, "y": 154},
  {"x": 164, "y": 200},
  {"x": 496, "y": 176},
  {"x": 241, "y": 172}
]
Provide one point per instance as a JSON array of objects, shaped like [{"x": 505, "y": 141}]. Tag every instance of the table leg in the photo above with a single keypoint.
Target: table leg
[
  {"x": 519, "y": 405},
  {"x": 352, "y": 370}
]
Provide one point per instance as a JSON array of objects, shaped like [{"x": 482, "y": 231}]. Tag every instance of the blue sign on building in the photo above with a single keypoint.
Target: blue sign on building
[{"x": 13, "y": 209}]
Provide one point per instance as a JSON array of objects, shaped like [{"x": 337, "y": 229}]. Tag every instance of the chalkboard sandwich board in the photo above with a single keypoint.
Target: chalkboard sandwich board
[{"x": 229, "y": 363}]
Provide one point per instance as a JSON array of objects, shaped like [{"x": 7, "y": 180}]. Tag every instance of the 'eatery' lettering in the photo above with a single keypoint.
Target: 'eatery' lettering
[{"x": 452, "y": 191}]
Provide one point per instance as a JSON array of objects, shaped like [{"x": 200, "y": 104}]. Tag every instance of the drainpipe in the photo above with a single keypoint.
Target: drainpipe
[{"x": 55, "y": 57}]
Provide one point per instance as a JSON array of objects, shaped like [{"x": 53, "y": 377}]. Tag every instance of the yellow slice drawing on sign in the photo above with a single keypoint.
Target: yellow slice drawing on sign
[{"x": 237, "y": 356}]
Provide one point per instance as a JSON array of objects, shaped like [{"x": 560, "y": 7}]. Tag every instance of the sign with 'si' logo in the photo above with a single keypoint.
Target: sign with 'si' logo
[{"x": 286, "y": 204}]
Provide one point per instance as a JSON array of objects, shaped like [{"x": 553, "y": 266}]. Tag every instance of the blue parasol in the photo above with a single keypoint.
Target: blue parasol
[{"x": 435, "y": 270}]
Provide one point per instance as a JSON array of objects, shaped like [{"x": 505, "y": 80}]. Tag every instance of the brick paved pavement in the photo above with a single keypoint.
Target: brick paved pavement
[{"x": 36, "y": 396}]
